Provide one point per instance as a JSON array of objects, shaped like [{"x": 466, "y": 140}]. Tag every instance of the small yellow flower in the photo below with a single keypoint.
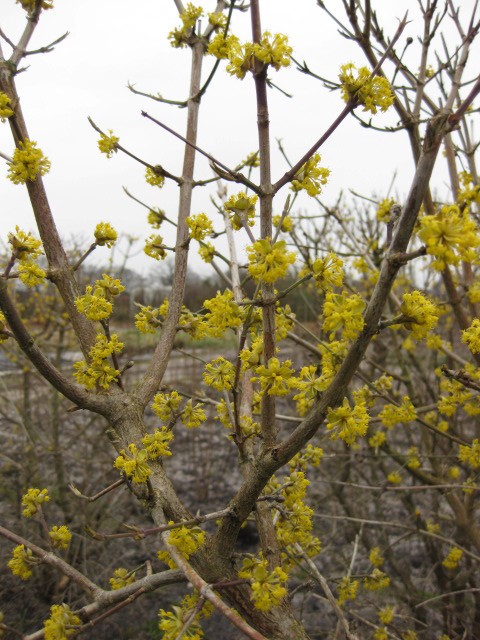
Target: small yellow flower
[
  {"x": 347, "y": 590},
  {"x": 187, "y": 540},
  {"x": 105, "y": 234},
  {"x": 269, "y": 262},
  {"x": 24, "y": 245},
  {"x": 32, "y": 501},
  {"x": 22, "y": 562},
  {"x": 376, "y": 580},
  {"x": 219, "y": 374},
  {"x": 268, "y": 588},
  {"x": 343, "y": 312},
  {"x": 165, "y": 405},
  {"x": 373, "y": 92},
  {"x": 155, "y": 248},
  {"x": 391, "y": 415},
  {"x": 347, "y": 423},
  {"x": 311, "y": 177},
  {"x": 376, "y": 557},
  {"x": 193, "y": 416},
  {"x": 154, "y": 177},
  {"x": 157, "y": 443},
  {"x": 133, "y": 463},
  {"x": 420, "y": 314},
  {"x": 61, "y": 624},
  {"x": 242, "y": 209},
  {"x": 29, "y": 5},
  {"x": 60, "y": 537},
  {"x": 121, "y": 578},
  {"x": 470, "y": 455},
  {"x": 454, "y": 556},
  {"x": 108, "y": 144},
  {"x": 200, "y": 226},
  {"x": 28, "y": 161},
  {"x": 276, "y": 377},
  {"x": 471, "y": 336},
  {"x": 5, "y": 110},
  {"x": 31, "y": 274}
]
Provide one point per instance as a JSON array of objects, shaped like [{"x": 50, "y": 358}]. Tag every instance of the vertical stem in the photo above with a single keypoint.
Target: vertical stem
[
  {"x": 266, "y": 198},
  {"x": 266, "y": 529},
  {"x": 159, "y": 362}
]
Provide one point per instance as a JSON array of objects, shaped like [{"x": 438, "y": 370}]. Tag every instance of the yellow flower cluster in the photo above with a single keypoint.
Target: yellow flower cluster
[
  {"x": 121, "y": 578},
  {"x": 60, "y": 537},
  {"x": 200, "y": 226},
  {"x": 269, "y": 262},
  {"x": 157, "y": 443},
  {"x": 413, "y": 460},
  {"x": 450, "y": 236},
  {"x": 276, "y": 378},
  {"x": 172, "y": 623},
  {"x": 207, "y": 252},
  {"x": 134, "y": 463},
  {"x": 21, "y": 562},
  {"x": 294, "y": 523},
  {"x": 375, "y": 556},
  {"x": 348, "y": 423},
  {"x": 32, "y": 501},
  {"x": 310, "y": 385},
  {"x": 219, "y": 374},
  {"x": 469, "y": 192},
  {"x": 343, "y": 312},
  {"x": 327, "y": 272},
  {"x": 383, "y": 210},
  {"x": 470, "y": 455},
  {"x": 453, "y": 558},
  {"x": 29, "y": 5},
  {"x": 359, "y": 85},
  {"x": 28, "y": 161},
  {"x": 24, "y": 245},
  {"x": 420, "y": 314},
  {"x": 147, "y": 320},
  {"x": 311, "y": 177},
  {"x": 155, "y": 218},
  {"x": 154, "y": 176},
  {"x": 222, "y": 313},
  {"x": 98, "y": 370},
  {"x": 242, "y": 209},
  {"x": 272, "y": 50},
  {"x": 165, "y": 405},
  {"x": 3, "y": 328},
  {"x": 391, "y": 415},
  {"x": 189, "y": 16},
  {"x": 31, "y": 274},
  {"x": 285, "y": 224},
  {"x": 154, "y": 247},
  {"x": 193, "y": 415},
  {"x": 108, "y": 144},
  {"x": 61, "y": 624},
  {"x": 471, "y": 336},
  {"x": 25, "y": 249},
  {"x": 187, "y": 540},
  {"x": 105, "y": 235},
  {"x": 268, "y": 587},
  {"x": 5, "y": 111},
  {"x": 376, "y": 580},
  {"x": 386, "y": 615},
  {"x": 347, "y": 590},
  {"x": 377, "y": 440}
]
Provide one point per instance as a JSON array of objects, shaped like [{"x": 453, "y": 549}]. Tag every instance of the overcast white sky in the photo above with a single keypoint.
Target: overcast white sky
[{"x": 113, "y": 42}]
